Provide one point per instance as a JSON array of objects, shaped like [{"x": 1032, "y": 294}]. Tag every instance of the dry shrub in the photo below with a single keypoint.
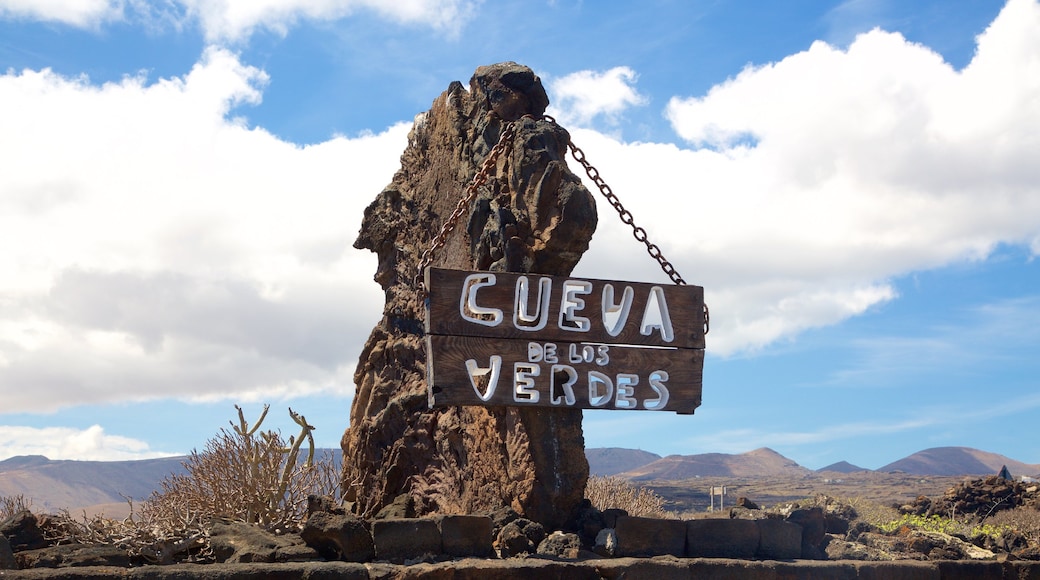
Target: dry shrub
[
  {"x": 618, "y": 492},
  {"x": 871, "y": 512},
  {"x": 146, "y": 538},
  {"x": 10, "y": 505},
  {"x": 245, "y": 475}
]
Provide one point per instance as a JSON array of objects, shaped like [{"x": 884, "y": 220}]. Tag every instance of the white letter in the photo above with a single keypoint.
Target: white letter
[
  {"x": 475, "y": 372},
  {"x": 567, "y": 386},
  {"x": 573, "y": 355},
  {"x": 588, "y": 353},
  {"x": 625, "y": 389},
  {"x": 616, "y": 315},
  {"x": 523, "y": 384},
  {"x": 657, "y": 379},
  {"x": 597, "y": 399},
  {"x": 521, "y": 315},
  {"x": 661, "y": 319},
  {"x": 570, "y": 303},
  {"x": 534, "y": 352},
  {"x": 468, "y": 300},
  {"x": 550, "y": 353}
]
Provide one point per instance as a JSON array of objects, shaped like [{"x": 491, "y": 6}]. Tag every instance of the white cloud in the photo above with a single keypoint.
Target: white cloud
[
  {"x": 151, "y": 247},
  {"x": 78, "y": 13},
  {"x": 584, "y": 95},
  {"x": 820, "y": 178},
  {"x": 852, "y": 17},
  {"x": 90, "y": 444},
  {"x": 235, "y": 20}
]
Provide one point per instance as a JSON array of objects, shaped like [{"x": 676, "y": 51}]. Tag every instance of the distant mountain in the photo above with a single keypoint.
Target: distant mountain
[
  {"x": 958, "y": 461},
  {"x": 615, "y": 460},
  {"x": 53, "y": 485},
  {"x": 842, "y": 467},
  {"x": 760, "y": 462},
  {"x": 92, "y": 485}
]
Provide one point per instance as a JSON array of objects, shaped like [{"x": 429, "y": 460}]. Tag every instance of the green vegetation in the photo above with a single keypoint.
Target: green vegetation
[{"x": 943, "y": 525}]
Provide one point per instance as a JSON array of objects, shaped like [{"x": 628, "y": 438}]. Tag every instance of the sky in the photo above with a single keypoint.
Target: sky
[{"x": 854, "y": 183}]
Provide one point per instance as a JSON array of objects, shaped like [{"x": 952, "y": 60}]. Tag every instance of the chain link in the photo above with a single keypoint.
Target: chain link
[{"x": 505, "y": 141}]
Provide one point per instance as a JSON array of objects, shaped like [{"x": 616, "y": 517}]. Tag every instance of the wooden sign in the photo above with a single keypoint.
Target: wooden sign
[{"x": 500, "y": 338}]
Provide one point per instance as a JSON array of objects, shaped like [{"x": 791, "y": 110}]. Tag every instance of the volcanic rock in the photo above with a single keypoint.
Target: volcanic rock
[
  {"x": 7, "y": 561},
  {"x": 521, "y": 536},
  {"x": 984, "y": 496},
  {"x": 239, "y": 542},
  {"x": 560, "y": 545},
  {"x": 75, "y": 556},
  {"x": 532, "y": 215},
  {"x": 23, "y": 532},
  {"x": 339, "y": 537}
]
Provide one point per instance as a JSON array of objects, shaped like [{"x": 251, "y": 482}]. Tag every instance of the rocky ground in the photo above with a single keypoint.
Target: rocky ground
[
  {"x": 979, "y": 519},
  {"x": 988, "y": 519}
]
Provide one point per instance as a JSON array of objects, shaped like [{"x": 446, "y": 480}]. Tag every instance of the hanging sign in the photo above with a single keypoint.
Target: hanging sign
[{"x": 501, "y": 338}]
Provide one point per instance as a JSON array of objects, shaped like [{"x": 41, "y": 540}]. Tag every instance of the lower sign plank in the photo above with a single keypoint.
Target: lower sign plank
[{"x": 497, "y": 372}]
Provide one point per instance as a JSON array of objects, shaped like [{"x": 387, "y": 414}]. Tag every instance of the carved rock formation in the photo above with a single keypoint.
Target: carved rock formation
[{"x": 532, "y": 215}]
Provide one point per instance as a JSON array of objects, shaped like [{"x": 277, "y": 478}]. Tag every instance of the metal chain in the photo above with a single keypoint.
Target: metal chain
[
  {"x": 624, "y": 214},
  {"x": 505, "y": 140},
  {"x": 626, "y": 217}
]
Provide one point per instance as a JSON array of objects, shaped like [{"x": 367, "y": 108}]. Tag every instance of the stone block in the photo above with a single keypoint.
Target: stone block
[
  {"x": 611, "y": 515},
  {"x": 398, "y": 540},
  {"x": 1022, "y": 570},
  {"x": 339, "y": 537},
  {"x": 719, "y": 569},
  {"x": 508, "y": 569},
  {"x": 721, "y": 538},
  {"x": 812, "y": 570},
  {"x": 638, "y": 536},
  {"x": 465, "y": 536},
  {"x": 813, "y": 524},
  {"x": 779, "y": 540},
  {"x": 901, "y": 570},
  {"x": 964, "y": 570},
  {"x": 7, "y": 561}
]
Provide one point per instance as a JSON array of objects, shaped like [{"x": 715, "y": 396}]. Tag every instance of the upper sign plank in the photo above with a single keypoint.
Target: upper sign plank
[{"x": 567, "y": 309}]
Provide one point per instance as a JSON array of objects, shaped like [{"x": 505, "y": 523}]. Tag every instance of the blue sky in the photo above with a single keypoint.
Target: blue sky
[{"x": 854, "y": 184}]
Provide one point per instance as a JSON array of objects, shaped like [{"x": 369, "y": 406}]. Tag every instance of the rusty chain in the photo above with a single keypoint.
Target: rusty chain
[
  {"x": 626, "y": 218},
  {"x": 624, "y": 214},
  {"x": 504, "y": 141}
]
